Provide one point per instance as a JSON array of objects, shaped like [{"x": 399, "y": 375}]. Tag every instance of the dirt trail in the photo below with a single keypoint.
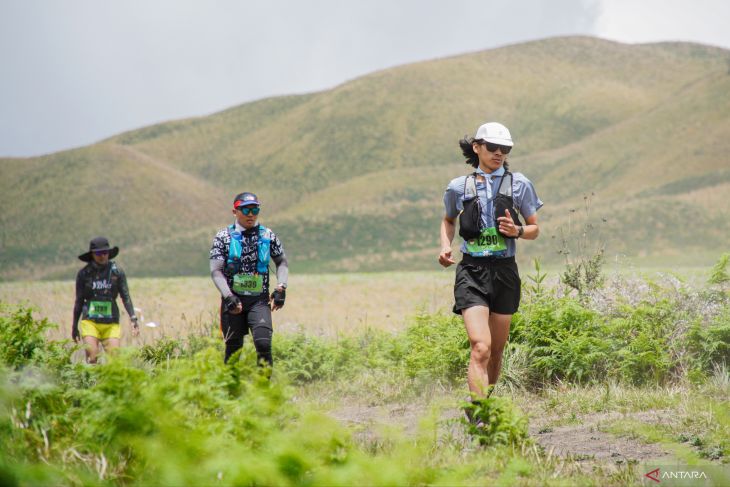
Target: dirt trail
[{"x": 582, "y": 442}]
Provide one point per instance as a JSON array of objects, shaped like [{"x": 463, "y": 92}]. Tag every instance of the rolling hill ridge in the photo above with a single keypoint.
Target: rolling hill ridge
[{"x": 352, "y": 178}]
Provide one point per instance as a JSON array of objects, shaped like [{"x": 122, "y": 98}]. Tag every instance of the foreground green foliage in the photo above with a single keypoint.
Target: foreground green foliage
[
  {"x": 496, "y": 422},
  {"x": 172, "y": 413},
  {"x": 175, "y": 414}
]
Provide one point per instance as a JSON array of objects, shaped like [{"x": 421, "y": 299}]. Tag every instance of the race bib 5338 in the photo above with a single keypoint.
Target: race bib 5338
[{"x": 248, "y": 284}]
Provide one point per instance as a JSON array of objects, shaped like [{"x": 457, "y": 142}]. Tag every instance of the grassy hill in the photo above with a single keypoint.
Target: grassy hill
[{"x": 352, "y": 178}]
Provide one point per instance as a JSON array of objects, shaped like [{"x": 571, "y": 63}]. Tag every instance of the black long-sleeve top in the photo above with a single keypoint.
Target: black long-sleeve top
[{"x": 101, "y": 283}]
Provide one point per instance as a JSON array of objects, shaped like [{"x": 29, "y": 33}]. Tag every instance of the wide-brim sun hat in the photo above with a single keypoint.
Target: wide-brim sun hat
[
  {"x": 494, "y": 132},
  {"x": 97, "y": 244}
]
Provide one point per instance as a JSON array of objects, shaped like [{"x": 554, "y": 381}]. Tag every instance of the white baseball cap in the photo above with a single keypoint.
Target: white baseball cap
[{"x": 495, "y": 133}]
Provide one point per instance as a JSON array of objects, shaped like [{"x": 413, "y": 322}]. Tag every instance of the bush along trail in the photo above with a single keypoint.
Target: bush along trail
[{"x": 596, "y": 390}]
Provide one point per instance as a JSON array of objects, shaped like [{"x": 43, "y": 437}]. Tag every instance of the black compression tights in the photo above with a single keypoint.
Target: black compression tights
[{"x": 262, "y": 344}]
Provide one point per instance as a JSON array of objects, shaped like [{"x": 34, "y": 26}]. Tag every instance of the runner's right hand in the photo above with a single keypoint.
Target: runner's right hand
[
  {"x": 75, "y": 334},
  {"x": 233, "y": 304},
  {"x": 445, "y": 257}
]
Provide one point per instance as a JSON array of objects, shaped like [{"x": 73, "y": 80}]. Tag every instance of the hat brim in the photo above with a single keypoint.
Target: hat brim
[
  {"x": 496, "y": 140},
  {"x": 247, "y": 203},
  {"x": 87, "y": 257}
]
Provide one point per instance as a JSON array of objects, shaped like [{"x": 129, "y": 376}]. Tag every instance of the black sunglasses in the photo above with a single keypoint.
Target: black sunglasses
[
  {"x": 246, "y": 211},
  {"x": 101, "y": 252},
  {"x": 493, "y": 147}
]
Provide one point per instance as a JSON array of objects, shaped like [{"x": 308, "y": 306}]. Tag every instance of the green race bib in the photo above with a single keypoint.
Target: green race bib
[
  {"x": 488, "y": 242},
  {"x": 247, "y": 284},
  {"x": 100, "y": 309}
]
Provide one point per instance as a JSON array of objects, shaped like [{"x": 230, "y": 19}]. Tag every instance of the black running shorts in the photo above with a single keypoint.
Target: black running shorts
[{"x": 487, "y": 281}]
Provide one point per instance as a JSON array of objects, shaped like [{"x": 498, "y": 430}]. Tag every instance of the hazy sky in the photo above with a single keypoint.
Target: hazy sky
[{"x": 77, "y": 71}]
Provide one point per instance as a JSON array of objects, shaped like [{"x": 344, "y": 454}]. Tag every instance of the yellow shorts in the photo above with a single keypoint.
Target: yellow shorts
[{"x": 101, "y": 331}]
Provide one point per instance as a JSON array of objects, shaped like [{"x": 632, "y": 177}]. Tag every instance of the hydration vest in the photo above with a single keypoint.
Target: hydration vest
[
  {"x": 470, "y": 218},
  {"x": 263, "y": 250},
  {"x": 470, "y": 221}
]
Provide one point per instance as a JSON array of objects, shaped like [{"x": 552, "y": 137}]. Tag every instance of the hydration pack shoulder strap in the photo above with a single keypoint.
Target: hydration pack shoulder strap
[
  {"x": 470, "y": 186},
  {"x": 505, "y": 185},
  {"x": 263, "y": 250},
  {"x": 234, "y": 248},
  {"x": 470, "y": 219},
  {"x": 504, "y": 202}
]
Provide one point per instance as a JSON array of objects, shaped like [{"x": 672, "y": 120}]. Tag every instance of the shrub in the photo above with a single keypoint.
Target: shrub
[
  {"x": 710, "y": 345},
  {"x": 163, "y": 349},
  {"x": 501, "y": 422},
  {"x": 21, "y": 336},
  {"x": 437, "y": 347},
  {"x": 433, "y": 347},
  {"x": 563, "y": 341},
  {"x": 719, "y": 275},
  {"x": 583, "y": 249},
  {"x": 306, "y": 358},
  {"x": 642, "y": 343}
]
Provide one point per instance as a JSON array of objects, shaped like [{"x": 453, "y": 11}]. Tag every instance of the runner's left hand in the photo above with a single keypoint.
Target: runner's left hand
[
  {"x": 277, "y": 298},
  {"x": 507, "y": 225}
]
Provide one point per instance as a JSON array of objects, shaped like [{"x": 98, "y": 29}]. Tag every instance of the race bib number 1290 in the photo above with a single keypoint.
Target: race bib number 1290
[{"x": 489, "y": 241}]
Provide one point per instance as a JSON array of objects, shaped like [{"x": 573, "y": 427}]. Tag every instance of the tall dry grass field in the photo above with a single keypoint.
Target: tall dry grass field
[
  {"x": 323, "y": 304},
  {"x": 319, "y": 304}
]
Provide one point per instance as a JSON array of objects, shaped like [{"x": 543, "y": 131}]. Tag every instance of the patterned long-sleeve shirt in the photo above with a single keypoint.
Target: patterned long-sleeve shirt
[{"x": 249, "y": 253}]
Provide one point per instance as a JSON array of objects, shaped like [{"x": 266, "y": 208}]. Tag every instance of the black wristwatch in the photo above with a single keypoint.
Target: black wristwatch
[{"x": 520, "y": 230}]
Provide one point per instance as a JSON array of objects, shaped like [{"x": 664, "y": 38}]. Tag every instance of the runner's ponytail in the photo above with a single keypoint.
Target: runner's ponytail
[{"x": 468, "y": 151}]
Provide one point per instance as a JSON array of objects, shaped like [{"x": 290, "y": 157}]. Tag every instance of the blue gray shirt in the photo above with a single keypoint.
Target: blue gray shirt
[{"x": 525, "y": 199}]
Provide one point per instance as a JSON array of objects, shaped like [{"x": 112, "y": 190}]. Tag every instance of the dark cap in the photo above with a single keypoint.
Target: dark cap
[
  {"x": 245, "y": 199},
  {"x": 97, "y": 244}
]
